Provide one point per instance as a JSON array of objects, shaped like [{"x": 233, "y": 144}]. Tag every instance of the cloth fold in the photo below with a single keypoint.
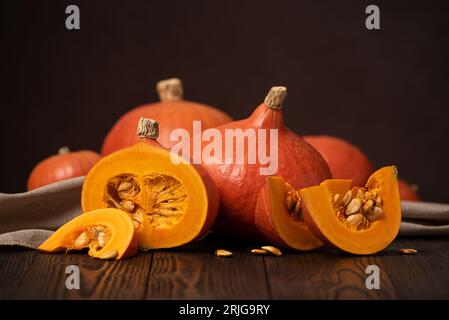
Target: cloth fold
[{"x": 27, "y": 219}]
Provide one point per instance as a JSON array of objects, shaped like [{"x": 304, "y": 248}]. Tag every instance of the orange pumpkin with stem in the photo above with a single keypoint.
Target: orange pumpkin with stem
[
  {"x": 240, "y": 182},
  {"x": 172, "y": 112}
]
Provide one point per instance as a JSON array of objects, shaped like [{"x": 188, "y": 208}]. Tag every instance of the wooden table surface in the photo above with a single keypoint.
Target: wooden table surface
[{"x": 194, "y": 272}]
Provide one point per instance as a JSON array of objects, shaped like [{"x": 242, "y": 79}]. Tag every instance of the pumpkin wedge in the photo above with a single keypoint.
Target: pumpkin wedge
[
  {"x": 358, "y": 220},
  {"x": 278, "y": 216},
  {"x": 170, "y": 201},
  {"x": 107, "y": 233}
]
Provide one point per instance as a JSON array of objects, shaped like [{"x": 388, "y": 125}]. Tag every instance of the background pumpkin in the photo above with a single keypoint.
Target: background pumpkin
[
  {"x": 345, "y": 160},
  {"x": 408, "y": 192},
  {"x": 239, "y": 184},
  {"x": 64, "y": 165},
  {"x": 171, "y": 112}
]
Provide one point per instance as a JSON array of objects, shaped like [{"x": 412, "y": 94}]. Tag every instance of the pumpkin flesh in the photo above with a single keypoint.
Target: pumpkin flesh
[
  {"x": 321, "y": 217},
  {"x": 173, "y": 203}
]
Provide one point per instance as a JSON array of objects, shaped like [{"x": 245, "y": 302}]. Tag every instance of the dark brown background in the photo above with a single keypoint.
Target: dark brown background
[{"x": 386, "y": 90}]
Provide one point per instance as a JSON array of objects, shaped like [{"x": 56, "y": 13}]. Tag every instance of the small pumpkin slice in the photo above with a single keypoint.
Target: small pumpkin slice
[
  {"x": 358, "y": 220},
  {"x": 278, "y": 217},
  {"x": 107, "y": 233}
]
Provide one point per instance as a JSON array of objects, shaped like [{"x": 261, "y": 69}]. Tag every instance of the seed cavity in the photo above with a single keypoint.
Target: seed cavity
[
  {"x": 359, "y": 207},
  {"x": 293, "y": 204},
  {"x": 158, "y": 200}
]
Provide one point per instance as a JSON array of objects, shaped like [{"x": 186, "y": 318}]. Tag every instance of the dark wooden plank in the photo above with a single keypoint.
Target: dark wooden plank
[
  {"x": 324, "y": 274},
  {"x": 14, "y": 262},
  {"x": 194, "y": 272},
  {"x": 46, "y": 278},
  {"x": 424, "y": 275}
]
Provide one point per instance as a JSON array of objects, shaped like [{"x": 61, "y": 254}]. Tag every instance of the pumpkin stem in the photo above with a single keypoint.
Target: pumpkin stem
[
  {"x": 63, "y": 150},
  {"x": 275, "y": 98},
  {"x": 170, "y": 89},
  {"x": 148, "y": 128}
]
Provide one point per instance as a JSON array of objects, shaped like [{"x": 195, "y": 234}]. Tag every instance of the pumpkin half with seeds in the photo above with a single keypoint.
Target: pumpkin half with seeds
[
  {"x": 358, "y": 220},
  {"x": 170, "y": 201},
  {"x": 106, "y": 233}
]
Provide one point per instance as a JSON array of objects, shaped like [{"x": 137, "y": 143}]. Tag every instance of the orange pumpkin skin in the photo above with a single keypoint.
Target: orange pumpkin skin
[
  {"x": 345, "y": 160},
  {"x": 406, "y": 192},
  {"x": 239, "y": 184},
  {"x": 62, "y": 166},
  {"x": 172, "y": 113}
]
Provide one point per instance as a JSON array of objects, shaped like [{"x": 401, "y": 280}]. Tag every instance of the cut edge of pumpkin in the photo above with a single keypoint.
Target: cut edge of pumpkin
[{"x": 276, "y": 223}]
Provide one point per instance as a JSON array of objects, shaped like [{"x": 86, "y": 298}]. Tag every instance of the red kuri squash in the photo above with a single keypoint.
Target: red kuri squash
[
  {"x": 345, "y": 160},
  {"x": 64, "y": 165},
  {"x": 240, "y": 182},
  {"x": 172, "y": 112}
]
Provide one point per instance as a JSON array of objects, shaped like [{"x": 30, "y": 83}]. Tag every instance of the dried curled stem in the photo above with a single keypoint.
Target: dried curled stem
[
  {"x": 275, "y": 98},
  {"x": 170, "y": 89},
  {"x": 148, "y": 128}
]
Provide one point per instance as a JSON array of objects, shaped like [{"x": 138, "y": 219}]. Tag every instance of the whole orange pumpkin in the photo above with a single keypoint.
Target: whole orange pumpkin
[
  {"x": 239, "y": 184},
  {"x": 345, "y": 160},
  {"x": 64, "y": 165},
  {"x": 172, "y": 112}
]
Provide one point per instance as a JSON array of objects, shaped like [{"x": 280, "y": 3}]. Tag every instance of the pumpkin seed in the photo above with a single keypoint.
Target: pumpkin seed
[
  {"x": 374, "y": 214},
  {"x": 378, "y": 201},
  {"x": 109, "y": 255},
  {"x": 128, "y": 205},
  {"x": 259, "y": 251},
  {"x": 273, "y": 250},
  {"x": 125, "y": 185},
  {"x": 297, "y": 208},
  {"x": 360, "y": 194},
  {"x": 223, "y": 253},
  {"x": 289, "y": 202},
  {"x": 368, "y": 204},
  {"x": 408, "y": 251},
  {"x": 102, "y": 239},
  {"x": 354, "y": 219},
  {"x": 336, "y": 199},
  {"x": 353, "y": 207},
  {"x": 82, "y": 240},
  {"x": 346, "y": 198}
]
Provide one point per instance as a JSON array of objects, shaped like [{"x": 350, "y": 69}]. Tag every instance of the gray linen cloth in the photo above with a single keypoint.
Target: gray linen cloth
[{"x": 27, "y": 219}]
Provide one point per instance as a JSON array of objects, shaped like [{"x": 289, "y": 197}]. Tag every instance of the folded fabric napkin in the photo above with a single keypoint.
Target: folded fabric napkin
[{"x": 27, "y": 219}]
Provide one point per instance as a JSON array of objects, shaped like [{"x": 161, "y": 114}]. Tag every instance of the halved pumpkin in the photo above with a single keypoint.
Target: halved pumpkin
[
  {"x": 107, "y": 233},
  {"x": 279, "y": 221},
  {"x": 170, "y": 201},
  {"x": 358, "y": 220}
]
